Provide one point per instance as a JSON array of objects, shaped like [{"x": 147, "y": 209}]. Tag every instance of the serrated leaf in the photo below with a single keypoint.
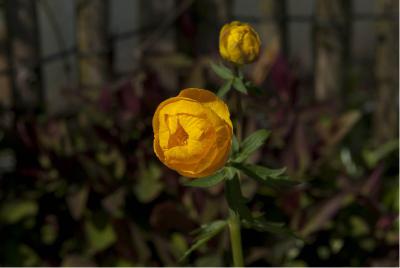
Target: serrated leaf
[
  {"x": 212, "y": 180},
  {"x": 204, "y": 234},
  {"x": 222, "y": 71},
  {"x": 261, "y": 225},
  {"x": 239, "y": 85},
  {"x": 251, "y": 143},
  {"x": 225, "y": 88},
  {"x": 261, "y": 171},
  {"x": 273, "y": 178}
]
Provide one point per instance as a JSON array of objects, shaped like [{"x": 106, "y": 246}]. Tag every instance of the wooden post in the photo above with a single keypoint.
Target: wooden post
[
  {"x": 94, "y": 48},
  {"x": 23, "y": 50},
  {"x": 273, "y": 27},
  {"x": 332, "y": 44},
  {"x": 386, "y": 72}
]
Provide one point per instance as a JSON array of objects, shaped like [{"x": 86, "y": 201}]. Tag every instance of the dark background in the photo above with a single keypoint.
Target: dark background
[{"x": 80, "y": 81}]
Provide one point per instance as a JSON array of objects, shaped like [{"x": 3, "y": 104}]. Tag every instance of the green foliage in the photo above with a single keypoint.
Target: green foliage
[
  {"x": 149, "y": 183},
  {"x": 273, "y": 178},
  {"x": 222, "y": 71},
  {"x": 16, "y": 210},
  {"x": 225, "y": 88},
  {"x": 251, "y": 144},
  {"x": 217, "y": 177},
  {"x": 204, "y": 234},
  {"x": 372, "y": 157},
  {"x": 237, "y": 203},
  {"x": 239, "y": 85},
  {"x": 58, "y": 173},
  {"x": 99, "y": 237}
]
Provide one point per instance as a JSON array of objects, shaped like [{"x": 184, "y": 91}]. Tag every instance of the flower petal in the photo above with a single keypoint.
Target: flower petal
[{"x": 210, "y": 100}]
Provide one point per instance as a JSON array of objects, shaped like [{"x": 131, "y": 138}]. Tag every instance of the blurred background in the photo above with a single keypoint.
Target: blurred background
[{"x": 79, "y": 83}]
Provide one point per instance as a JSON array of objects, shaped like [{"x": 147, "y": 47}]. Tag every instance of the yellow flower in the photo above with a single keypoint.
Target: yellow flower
[
  {"x": 239, "y": 43},
  {"x": 193, "y": 133}
]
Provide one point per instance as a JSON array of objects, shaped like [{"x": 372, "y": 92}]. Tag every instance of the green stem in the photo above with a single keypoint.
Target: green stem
[
  {"x": 236, "y": 240},
  {"x": 238, "y": 108},
  {"x": 234, "y": 217}
]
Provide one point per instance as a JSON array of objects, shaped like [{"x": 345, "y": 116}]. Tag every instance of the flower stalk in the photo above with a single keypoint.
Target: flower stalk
[
  {"x": 236, "y": 239},
  {"x": 234, "y": 221}
]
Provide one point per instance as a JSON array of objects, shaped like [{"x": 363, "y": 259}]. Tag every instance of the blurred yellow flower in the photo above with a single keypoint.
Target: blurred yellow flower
[
  {"x": 239, "y": 43},
  {"x": 193, "y": 132}
]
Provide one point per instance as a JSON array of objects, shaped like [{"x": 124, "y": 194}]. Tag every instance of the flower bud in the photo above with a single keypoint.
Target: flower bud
[{"x": 239, "y": 43}]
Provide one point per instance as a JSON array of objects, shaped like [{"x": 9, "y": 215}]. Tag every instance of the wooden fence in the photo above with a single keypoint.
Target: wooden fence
[{"x": 21, "y": 67}]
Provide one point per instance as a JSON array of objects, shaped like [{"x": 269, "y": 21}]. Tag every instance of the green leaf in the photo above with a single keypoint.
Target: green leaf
[
  {"x": 273, "y": 178},
  {"x": 212, "y": 180},
  {"x": 14, "y": 211},
  {"x": 239, "y": 85},
  {"x": 76, "y": 201},
  {"x": 252, "y": 143},
  {"x": 204, "y": 234},
  {"x": 262, "y": 225},
  {"x": 222, "y": 71},
  {"x": 262, "y": 171},
  {"x": 235, "y": 144},
  {"x": 28, "y": 256},
  {"x": 149, "y": 185},
  {"x": 213, "y": 260},
  {"x": 225, "y": 88},
  {"x": 235, "y": 199},
  {"x": 372, "y": 157},
  {"x": 99, "y": 238},
  {"x": 237, "y": 203}
]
